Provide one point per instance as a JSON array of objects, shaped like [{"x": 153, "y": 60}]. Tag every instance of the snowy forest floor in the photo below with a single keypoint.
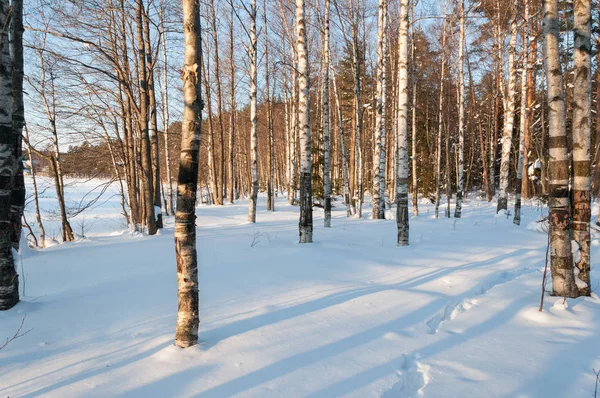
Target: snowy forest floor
[{"x": 455, "y": 314}]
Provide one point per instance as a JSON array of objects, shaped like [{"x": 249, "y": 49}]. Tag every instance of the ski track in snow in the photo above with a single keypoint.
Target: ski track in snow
[{"x": 469, "y": 300}]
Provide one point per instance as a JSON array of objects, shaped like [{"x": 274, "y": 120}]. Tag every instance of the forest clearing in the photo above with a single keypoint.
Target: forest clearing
[{"x": 455, "y": 314}]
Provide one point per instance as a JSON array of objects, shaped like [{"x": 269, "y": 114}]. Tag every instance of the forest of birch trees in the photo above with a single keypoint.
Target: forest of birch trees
[{"x": 327, "y": 103}]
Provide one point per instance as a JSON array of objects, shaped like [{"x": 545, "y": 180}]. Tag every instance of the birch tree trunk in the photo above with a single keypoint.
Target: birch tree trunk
[
  {"x": 358, "y": 110},
  {"x": 378, "y": 199},
  {"x": 165, "y": 112},
  {"x": 582, "y": 96},
  {"x": 326, "y": 124},
  {"x": 509, "y": 115},
  {"x": 271, "y": 155},
  {"x": 188, "y": 320},
  {"x": 461, "y": 114},
  {"x": 345, "y": 172},
  {"x": 232, "y": 113},
  {"x": 253, "y": 129},
  {"x": 523, "y": 116},
  {"x": 438, "y": 161},
  {"x": 9, "y": 279},
  {"x": 415, "y": 177},
  {"x": 153, "y": 117},
  {"x": 402, "y": 172},
  {"x": 146, "y": 156},
  {"x": 561, "y": 260},
  {"x": 220, "y": 171},
  {"x": 306, "y": 219},
  {"x": 18, "y": 119}
]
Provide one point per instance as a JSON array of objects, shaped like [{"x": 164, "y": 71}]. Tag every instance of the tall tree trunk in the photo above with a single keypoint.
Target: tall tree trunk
[
  {"x": 509, "y": 114},
  {"x": 358, "y": 113},
  {"x": 9, "y": 279},
  {"x": 345, "y": 172},
  {"x": 326, "y": 124},
  {"x": 523, "y": 116},
  {"x": 438, "y": 162},
  {"x": 306, "y": 216},
  {"x": 165, "y": 113},
  {"x": 582, "y": 116},
  {"x": 153, "y": 117},
  {"x": 561, "y": 260},
  {"x": 531, "y": 99},
  {"x": 253, "y": 128},
  {"x": 378, "y": 199},
  {"x": 220, "y": 170},
  {"x": 146, "y": 155},
  {"x": 188, "y": 319},
  {"x": 18, "y": 119},
  {"x": 461, "y": 114},
  {"x": 486, "y": 179},
  {"x": 415, "y": 175},
  {"x": 402, "y": 172},
  {"x": 232, "y": 114},
  {"x": 271, "y": 154}
]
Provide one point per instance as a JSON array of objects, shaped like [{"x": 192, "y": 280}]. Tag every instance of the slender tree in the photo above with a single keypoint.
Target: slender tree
[
  {"x": 523, "y": 116},
  {"x": 253, "y": 120},
  {"x": 582, "y": 116},
  {"x": 561, "y": 260},
  {"x": 18, "y": 118},
  {"x": 188, "y": 319},
  {"x": 461, "y": 113},
  {"x": 326, "y": 122},
  {"x": 509, "y": 114},
  {"x": 9, "y": 279},
  {"x": 380, "y": 128},
  {"x": 306, "y": 217},
  {"x": 402, "y": 162}
]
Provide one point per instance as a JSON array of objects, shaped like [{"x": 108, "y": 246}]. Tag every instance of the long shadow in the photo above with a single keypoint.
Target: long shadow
[
  {"x": 372, "y": 374},
  {"x": 99, "y": 369},
  {"x": 303, "y": 359},
  {"x": 213, "y": 336}
]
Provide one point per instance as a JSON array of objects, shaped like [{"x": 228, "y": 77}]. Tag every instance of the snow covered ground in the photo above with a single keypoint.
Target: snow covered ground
[{"x": 453, "y": 315}]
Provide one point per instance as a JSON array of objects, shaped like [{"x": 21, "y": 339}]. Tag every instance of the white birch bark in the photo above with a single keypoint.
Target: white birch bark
[
  {"x": 582, "y": 116},
  {"x": 306, "y": 219},
  {"x": 561, "y": 261},
  {"x": 378, "y": 199},
  {"x": 9, "y": 279},
  {"x": 402, "y": 172},
  {"x": 509, "y": 114},
  {"x": 523, "y": 116},
  {"x": 253, "y": 120},
  {"x": 438, "y": 160},
  {"x": 461, "y": 114},
  {"x": 326, "y": 124}
]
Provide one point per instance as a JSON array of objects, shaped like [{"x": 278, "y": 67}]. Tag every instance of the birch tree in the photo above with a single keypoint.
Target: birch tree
[
  {"x": 252, "y": 49},
  {"x": 438, "y": 160},
  {"x": 380, "y": 125},
  {"x": 509, "y": 114},
  {"x": 582, "y": 96},
  {"x": 402, "y": 162},
  {"x": 523, "y": 117},
  {"x": 306, "y": 219},
  {"x": 326, "y": 122},
  {"x": 461, "y": 113},
  {"x": 188, "y": 320},
  {"x": 9, "y": 279},
  {"x": 18, "y": 119},
  {"x": 561, "y": 261}
]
